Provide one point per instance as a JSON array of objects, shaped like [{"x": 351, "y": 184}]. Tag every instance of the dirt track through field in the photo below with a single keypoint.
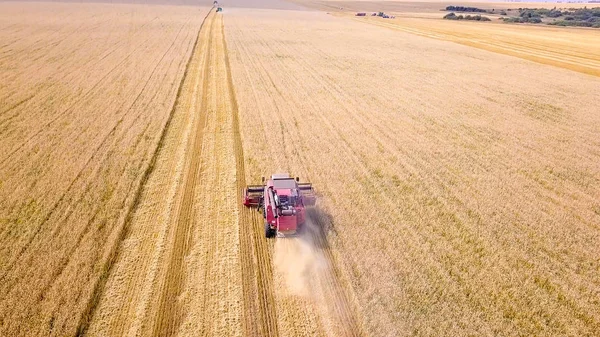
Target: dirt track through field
[
  {"x": 134, "y": 291},
  {"x": 260, "y": 317}
]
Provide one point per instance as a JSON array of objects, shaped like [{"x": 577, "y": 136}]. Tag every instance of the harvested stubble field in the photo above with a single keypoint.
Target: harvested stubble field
[
  {"x": 458, "y": 187},
  {"x": 461, "y": 186}
]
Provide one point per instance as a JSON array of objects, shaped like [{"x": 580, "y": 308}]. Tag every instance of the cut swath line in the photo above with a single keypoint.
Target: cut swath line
[
  {"x": 105, "y": 272},
  {"x": 168, "y": 316},
  {"x": 252, "y": 242}
]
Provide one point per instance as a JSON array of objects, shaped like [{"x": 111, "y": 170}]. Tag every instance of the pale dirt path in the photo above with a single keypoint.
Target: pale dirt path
[
  {"x": 213, "y": 286},
  {"x": 131, "y": 293},
  {"x": 187, "y": 267}
]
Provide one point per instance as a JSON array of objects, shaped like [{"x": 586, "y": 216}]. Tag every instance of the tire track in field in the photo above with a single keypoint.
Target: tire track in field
[
  {"x": 338, "y": 305},
  {"x": 211, "y": 301},
  {"x": 323, "y": 308},
  {"x": 93, "y": 155},
  {"x": 99, "y": 286},
  {"x": 259, "y": 299},
  {"x": 169, "y": 313}
]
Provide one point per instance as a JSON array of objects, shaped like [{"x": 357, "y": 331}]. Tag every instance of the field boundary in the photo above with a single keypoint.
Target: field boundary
[
  {"x": 345, "y": 312},
  {"x": 167, "y": 319}
]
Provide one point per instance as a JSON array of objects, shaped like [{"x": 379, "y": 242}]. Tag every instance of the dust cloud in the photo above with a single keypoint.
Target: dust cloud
[
  {"x": 300, "y": 263},
  {"x": 304, "y": 270}
]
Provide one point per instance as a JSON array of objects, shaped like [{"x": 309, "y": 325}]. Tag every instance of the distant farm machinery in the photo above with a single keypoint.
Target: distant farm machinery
[
  {"x": 216, "y": 4},
  {"x": 379, "y": 14},
  {"x": 282, "y": 201}
]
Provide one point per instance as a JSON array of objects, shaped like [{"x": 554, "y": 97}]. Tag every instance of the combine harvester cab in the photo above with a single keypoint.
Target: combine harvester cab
[{"x": 283, "y": 201}]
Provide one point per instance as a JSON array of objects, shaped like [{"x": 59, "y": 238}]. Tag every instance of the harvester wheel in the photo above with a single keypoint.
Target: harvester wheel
[
  {"x": 300, "y": 229},
  {"x": 269, "y": 233}
]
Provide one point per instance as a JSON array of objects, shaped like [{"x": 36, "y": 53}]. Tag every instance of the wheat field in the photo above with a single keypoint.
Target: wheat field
[
  {"x": 577, "y": 50},
  {"x": 461, "y": 186},
  {"x": 458, "y": 185},
  {"x": 85, "y": 93}
]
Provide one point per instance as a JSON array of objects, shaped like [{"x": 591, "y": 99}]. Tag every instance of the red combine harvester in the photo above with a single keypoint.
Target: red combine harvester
[{"x": 283, "y": 201}]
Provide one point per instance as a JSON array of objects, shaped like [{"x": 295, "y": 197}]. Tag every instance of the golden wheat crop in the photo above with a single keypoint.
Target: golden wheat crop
[
  {"x": 84, "y": 95},
  {"x": 178, "y": 270},
  {"x": 458, "y": 186}
]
